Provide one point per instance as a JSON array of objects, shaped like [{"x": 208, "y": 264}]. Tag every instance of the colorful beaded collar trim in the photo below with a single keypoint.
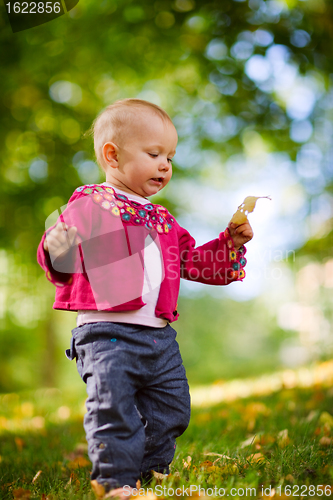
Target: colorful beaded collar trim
[{"x": 131, "y": 212}]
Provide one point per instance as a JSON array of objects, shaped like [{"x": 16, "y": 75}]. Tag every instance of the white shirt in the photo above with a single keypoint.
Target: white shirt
[{"x": 151, "y": 286}]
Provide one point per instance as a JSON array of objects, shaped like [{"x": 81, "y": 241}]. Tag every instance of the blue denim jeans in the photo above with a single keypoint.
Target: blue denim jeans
[{"x": 138, "y": 398}]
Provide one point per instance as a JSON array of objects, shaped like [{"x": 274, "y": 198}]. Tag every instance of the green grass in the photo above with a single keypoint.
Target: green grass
[{"x": 43, "y": 432}]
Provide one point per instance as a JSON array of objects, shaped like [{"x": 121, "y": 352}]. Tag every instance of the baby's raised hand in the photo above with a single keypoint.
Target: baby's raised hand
[
  {"x": 60, "y": 239},
  {"x": 240, "y": 234}
]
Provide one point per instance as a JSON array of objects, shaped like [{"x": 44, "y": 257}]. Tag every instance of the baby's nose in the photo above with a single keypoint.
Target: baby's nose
[{"x": 165, "y": 164}]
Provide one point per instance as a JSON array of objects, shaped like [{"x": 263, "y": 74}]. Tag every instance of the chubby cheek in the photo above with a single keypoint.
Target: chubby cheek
[{"x": 168, "y": 176}]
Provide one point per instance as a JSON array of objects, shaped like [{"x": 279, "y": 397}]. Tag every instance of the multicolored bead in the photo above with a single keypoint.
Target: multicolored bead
[
  {"x": 233, "y": 255},
  {"x": 152, "y": 216}
]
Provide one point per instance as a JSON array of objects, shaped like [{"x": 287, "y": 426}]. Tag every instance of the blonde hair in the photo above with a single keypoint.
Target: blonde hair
[{"x": 113, "y": 122}]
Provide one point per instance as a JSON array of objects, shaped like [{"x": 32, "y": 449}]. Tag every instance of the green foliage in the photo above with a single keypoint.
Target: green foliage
[{"x": 217, "y": 342}]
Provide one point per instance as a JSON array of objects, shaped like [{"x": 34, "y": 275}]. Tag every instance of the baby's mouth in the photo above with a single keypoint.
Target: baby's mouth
[{"x": 158, "y": 179}]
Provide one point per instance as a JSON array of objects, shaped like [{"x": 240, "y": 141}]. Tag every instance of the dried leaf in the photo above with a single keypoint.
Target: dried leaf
[
  {"x": 78, "y": 462},
  {"x": 312, "y": 415},
  {"x": 327, "y": 429},
  {"x": 229, "y": 469},
  {"x": 326, "y": 418},
  {"x": 187, "y": 463},
  {"x": 256, "y": 457},
  {"x": 149, "y": 496},
  {"x": 325, "y": 441},
  {"x": 283, "y": 438},
  {"x": 21, "y": 494},
  {"x": 19, "y": 443},
  {"x": 251, "y": 440},
  {"x": 213, "y": 454},
  {"x": 240, "y": 216},
  {"x": 36, "y": 476},
  {"x": 159, "y": 476},
  {"x": 73, "y": 480},
  {"x": 266, "y": 439},
  {"x": 81, "y": 448},
  {"x": 205, "y": 464},
  {"x": 98, "y": 489},
  {"x": 251, "y": 424},
  {"x": 257, "y": 408}
]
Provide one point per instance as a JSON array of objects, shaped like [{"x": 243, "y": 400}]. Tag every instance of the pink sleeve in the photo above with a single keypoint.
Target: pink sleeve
[
  {"x": 78, "y": 212},
  {"x": 214, "y": 263}
]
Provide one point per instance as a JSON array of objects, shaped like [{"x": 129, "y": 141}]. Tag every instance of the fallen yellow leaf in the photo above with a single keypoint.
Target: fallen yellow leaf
[
  {"x": 21, "y": 494},
  {"x": 251, "y": 440},
  {"x": 36, "y": 476},
  {"x": 73, "y": 480},
  {"x": 19, "y": 443},
  {"x": 266, "y": 439},
  {"x": 98, "y": 489},
  {"x": 206, "y": 464},
  {"x": 159, "y": 476},
  {"x": 149, "y": 496},
  {"x": 240, "y": 216},
  {"x": 326, "y": 418},
  {"x": 257, "y": 408},
  {"x": 283, "y": 439},
  {"x": 208, "y": 453},
  {"x": 325, "y": 441},
  {"x": 251, "y": 424},
  {"x": 256, "y": 457},
  {"x": 229, "y": 469},
  {"x": 78, "y": 462}
]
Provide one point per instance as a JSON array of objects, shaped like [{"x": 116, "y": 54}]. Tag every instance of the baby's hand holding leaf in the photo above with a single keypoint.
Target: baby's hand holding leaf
[{"x": 240, "y": 216}]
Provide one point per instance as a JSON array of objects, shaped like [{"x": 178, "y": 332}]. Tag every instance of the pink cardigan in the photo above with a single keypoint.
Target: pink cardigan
[{"x": 105, "y": 270}]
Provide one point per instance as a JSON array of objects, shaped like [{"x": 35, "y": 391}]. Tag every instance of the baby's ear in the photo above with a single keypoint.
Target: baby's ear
[{"x": 110, "y": 154}]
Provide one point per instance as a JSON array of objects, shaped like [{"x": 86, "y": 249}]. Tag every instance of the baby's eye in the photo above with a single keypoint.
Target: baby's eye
[
  {"x": 170, "y": 160},
  {"x": 153, "y": 155}
]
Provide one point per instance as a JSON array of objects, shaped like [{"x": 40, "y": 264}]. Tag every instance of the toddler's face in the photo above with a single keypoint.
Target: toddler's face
[{"x": 142, "y": 164}]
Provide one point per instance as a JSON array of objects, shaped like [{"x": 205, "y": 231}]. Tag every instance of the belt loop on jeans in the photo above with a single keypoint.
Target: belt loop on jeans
[{"x": 71, "y": 352}]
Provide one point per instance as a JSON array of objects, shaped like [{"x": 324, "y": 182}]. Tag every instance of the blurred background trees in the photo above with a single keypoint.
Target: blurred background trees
[{"x": 248, "y": 85}]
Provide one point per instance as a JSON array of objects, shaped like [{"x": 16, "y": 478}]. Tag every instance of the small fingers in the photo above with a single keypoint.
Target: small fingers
[
  {"x": 244, "y": 228},
  {"x": 61, "y": 227},
  {"x": 72, "y": 235}
]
